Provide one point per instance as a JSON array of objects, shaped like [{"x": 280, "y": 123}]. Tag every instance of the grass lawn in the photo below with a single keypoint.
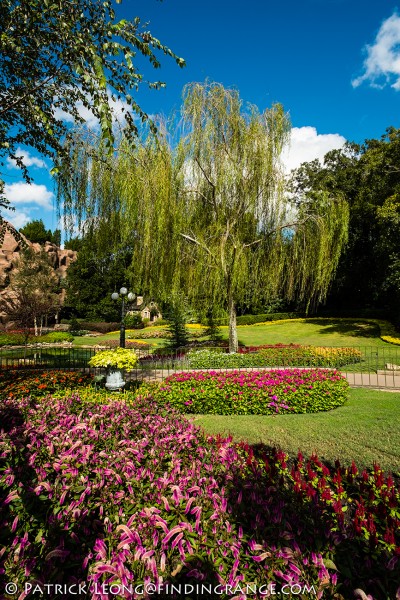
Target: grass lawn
[
  {"x": 329, "y": 332},
  {"x": 366, "y": 429}
]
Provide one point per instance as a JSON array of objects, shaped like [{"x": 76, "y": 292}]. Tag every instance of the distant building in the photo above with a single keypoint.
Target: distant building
[{"x": 147, "y": 310}]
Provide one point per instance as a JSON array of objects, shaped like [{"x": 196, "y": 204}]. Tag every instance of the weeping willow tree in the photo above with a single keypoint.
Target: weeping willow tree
[
  {"x": 244, "y": 240},
  {"x": 207, "y": 216}
]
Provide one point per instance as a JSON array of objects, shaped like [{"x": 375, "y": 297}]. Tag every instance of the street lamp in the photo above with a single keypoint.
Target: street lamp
[{"x": 130, "y": 297}]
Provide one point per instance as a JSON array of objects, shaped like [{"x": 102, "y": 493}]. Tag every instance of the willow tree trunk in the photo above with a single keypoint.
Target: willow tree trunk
[{"x": 233, "y": 338}]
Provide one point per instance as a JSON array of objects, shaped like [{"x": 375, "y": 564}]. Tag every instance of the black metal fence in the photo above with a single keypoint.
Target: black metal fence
[{"x": 368, "y": 366}]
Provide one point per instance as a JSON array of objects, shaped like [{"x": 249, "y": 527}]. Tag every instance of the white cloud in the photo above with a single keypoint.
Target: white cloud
[
  {"x": 382, "y": 64},
  {"x": 18, "y": 218},
  {"x": 24, "y": 193},
  {"x": 306, "y": 145},
  {"x": 27, "y": 158}
]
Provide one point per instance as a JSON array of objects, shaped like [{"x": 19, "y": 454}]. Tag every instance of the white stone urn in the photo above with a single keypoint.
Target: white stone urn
[{"x": 115, "y": 379}]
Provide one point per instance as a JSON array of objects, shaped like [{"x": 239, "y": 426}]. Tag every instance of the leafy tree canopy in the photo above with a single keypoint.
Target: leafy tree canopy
[
  {"x": 368, "y": 175},
  {"x": 36, "y": 233},
  {"x": 206, "y": 216},
  {"x": 56, "y": 54}
]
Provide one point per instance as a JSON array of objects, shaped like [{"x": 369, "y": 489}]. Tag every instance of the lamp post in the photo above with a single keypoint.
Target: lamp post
[{"x": 130, "y": 297}]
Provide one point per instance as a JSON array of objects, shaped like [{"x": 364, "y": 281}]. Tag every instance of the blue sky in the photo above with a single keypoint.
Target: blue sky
[{"x": 333, "y": 64}]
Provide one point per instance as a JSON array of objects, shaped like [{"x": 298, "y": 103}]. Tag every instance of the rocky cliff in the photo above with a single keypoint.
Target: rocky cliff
[{"x": 12, "y": 242}]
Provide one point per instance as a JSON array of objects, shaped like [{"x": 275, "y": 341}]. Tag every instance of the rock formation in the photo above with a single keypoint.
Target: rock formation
[{"x": 12, "y": 242}]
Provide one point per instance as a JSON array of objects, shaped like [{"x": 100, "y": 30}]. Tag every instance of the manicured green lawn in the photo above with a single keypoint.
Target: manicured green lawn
[
  {"x": 329, "y": 332},
  {"x": 366, "y": 429}
]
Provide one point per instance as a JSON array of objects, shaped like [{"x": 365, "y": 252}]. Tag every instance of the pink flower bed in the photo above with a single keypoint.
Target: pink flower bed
[{"x": 111, "y": 494}]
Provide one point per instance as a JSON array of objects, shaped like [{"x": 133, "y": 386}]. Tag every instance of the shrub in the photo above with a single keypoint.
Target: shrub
[
  {"x": 12, "y": 339},
  {"x": 260, "y": 393},
  {"x": 100, "y": 327},
  {"x": 113, "y": 494},
  {"x": 253, "y": 319},
  {"x": 149, "y": 333},
  {"x": 134, "y": 321},
  {"x": 55, "y": 337}
]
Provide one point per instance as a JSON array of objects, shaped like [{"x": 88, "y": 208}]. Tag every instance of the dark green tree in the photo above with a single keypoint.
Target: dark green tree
[
  {"x": 92, "y": 278},
  {"x": 368, "y": 176},
  {"x": 176, "y": 312},
  {"x": 36, "y": 233}
]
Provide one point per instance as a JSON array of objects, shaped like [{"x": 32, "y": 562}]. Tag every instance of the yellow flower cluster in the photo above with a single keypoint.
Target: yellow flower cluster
[{"x": 119, "y": 358}]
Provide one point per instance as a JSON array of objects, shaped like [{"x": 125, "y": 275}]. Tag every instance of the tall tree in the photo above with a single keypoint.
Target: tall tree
[
  {"x": 238, "y": 225},
  {"x": 208, "y": 215},
  {"x": 368, "y": 176},
  {"x": 55, "y": 55}
]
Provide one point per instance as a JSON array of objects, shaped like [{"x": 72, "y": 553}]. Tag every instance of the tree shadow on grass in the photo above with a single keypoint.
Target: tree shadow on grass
[{"x": 353, "y": 328}]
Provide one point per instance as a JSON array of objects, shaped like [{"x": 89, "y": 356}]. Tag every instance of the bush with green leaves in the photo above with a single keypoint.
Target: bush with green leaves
[
  {"x": 16, "y": 338},
  {"x": 54, "y": 337},
  {"x": 134, "y": 321},
  {"x": 100, "y": 326}
]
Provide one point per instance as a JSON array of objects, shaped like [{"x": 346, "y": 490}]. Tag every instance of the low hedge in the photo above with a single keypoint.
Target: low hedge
[
  {"x": 257, "y": 393},
  {"x": 18, "y": 338},
  {"x": 278, "y": 355},
  {"x": 101, "y": 326}
]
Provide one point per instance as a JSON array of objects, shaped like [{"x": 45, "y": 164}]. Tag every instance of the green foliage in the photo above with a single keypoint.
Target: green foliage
[
  {"x": 58, "y": 56},
  {"x": 36, "y": 233},
  {"x": 14, "y": 338},
  {"x": 119, "y": 358},
  {"x": 74, "y": 243},
  {"x": 134, "y": 321},
  {"x": 74, "y": 325},
  {"x": 176, "y": 314},
  {"x": 93, "y": 277},
  {"x": 55, "y": 337},
  {"x": 261, "y": 393},
  {"x": 368, "y": 177},
  {"x": 100, "y": 326},
  {"x": 263, "y": 318}
]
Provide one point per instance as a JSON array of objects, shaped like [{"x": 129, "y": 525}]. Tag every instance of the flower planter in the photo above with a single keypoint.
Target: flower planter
[{"x": 114, "y": 380}]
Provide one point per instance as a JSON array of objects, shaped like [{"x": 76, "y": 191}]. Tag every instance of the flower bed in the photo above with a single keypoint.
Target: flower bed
[
  {"x": 278, "y": 355},
  {"x": 261, "y": 393},
  {"x": 122, "y": 495},
  {"x": 16, "y": 383}
]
